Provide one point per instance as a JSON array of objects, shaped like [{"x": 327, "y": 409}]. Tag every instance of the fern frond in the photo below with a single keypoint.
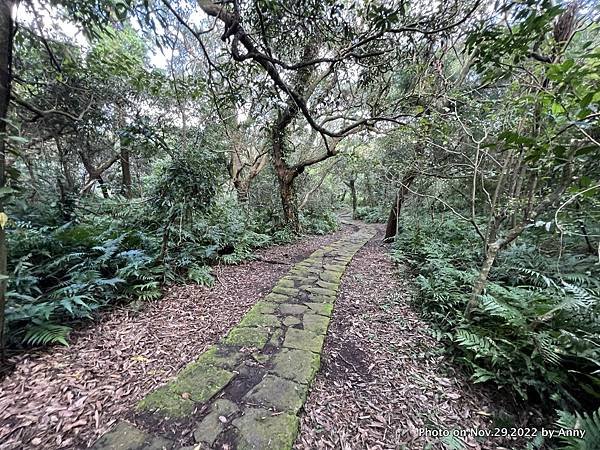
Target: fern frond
[
  {"x": 47, "y": 333},
  {"x": 495, "y": 307},
  {"x": 590, "y": 423},
  {"x": 482, "y": 346}
]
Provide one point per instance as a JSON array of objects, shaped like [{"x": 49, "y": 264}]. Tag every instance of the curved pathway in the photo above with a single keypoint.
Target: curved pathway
[{"x": 246, "y": 391}]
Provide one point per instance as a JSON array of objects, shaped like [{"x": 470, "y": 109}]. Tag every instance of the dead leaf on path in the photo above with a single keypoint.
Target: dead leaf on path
[{"x": 125, "y": 354}]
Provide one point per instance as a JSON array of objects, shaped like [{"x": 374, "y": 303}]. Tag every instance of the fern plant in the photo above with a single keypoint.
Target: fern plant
[
  {"x": 535, "y": 332},
  {"x": 588, "y": 423},
  {"x": 44, "y": 333}
]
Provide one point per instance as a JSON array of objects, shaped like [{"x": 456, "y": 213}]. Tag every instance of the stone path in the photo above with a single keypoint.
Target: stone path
[{"x": 246, "y": 391}]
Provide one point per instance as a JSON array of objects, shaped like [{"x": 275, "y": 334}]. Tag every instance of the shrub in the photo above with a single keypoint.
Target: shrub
[
  {"x": 535, "y": 332},
  {"x": 372, "y": 214}
]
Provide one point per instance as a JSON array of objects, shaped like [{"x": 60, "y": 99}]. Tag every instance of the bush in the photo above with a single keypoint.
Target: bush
[
  {"x": 319, "y": 222},
  {"x": 372, "y": 214},
  {"x": 536, "y": 331},
  {"x": 63, "y": 274}
]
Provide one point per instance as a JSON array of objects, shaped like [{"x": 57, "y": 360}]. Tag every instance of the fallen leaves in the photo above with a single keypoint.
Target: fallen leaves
[
  {"x": 382, "y": 379},
  {"x": 68, "y": 397}
]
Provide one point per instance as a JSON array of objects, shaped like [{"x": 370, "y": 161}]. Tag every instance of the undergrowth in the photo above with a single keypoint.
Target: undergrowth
[
  {"x": 535, "y": 333},
  {"x": 372, "y": 214},
  {"x": 110, "y": 253}
]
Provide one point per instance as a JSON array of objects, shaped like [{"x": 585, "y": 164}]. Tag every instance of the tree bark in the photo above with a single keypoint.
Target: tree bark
[
  {"x": 95, "y": 173},
  {"x": 242, "y": 189},
  {"x": 490, "y": 257},
  {"x": 352, "y": 186},
  {"x": 484, "y": 272},
  {"x": 392, "y": 223},
  {"x": 126, "y": 172},
  {"x": 289, "y": 202},
  {"x": 6, "y": 49},
  {"x": 241, "y": 178}
]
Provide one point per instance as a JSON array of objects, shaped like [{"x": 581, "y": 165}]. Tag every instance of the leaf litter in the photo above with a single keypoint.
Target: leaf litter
[{"x": 66, "y": 397}]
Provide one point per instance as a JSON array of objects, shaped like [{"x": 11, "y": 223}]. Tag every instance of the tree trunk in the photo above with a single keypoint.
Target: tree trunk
[
  {"x": 289, "y": 203},
  {"x": 392, "y": 223},
  {"x": 479, "y": 285},
  {"x": 490, "y": 256},
  {"x": 68, "y": 177},
  {"x": 103, "y": 187},
  {"x": 285, "y": 175},
  {"x": 6, "y": 48},
  {"x": 352, "y": 186},
  {"x": 126, "y": 172},
  {"x": 95, "y": 174},
  {"x": 242, "y": 189}
]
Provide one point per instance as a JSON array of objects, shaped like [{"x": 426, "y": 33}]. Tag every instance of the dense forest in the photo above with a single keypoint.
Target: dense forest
[{"x": 146, "y": 145}]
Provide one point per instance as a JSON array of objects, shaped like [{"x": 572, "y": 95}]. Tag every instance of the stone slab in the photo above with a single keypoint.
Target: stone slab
[
  {"x": 278, "y": 393},
  {"x": 300, "y": 366},
  {"x": 303, "y": 340},
  {"x": 260, "y": 429}
]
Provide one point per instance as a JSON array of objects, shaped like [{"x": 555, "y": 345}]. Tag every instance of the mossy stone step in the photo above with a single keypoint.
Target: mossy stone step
[
  {"x": 266, "y": 430},
  {"x": 125, "y": 436},
  {"x": 179, "y": 398},
  {"x": 248, "y": 389}
]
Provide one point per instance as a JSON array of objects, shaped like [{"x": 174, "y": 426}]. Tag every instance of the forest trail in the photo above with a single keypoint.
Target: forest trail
[
  {"x": 326, "y": 353},
  {"x": 246, "y": 391}
]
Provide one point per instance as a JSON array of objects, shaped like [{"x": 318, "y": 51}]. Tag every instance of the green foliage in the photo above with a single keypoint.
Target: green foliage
[
  {"x": 590, "y": 423},
  {"x": 535, "y": 331},
  {"x": 64, "y": 274},
  {"x": 372, "y": 214},
  {"x": 46, "y": 333},
  {"x": 201, "y": 275},
  {"x": 319, "y": 222}
]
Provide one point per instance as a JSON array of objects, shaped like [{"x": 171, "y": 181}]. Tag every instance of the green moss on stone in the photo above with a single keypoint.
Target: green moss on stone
[
  {"x": 290, "y": 309},
  {"x": 327, "y": 285},
  {"x": 167, "y": 402},
  {"x": 326, "y": 299},
  {"x": 315, "y": 323},
  {"x": 264, "y": 307},
  {"x": 197, "y": 383},
  {"x": 125, "y": 436},
  {"x": 324, "y": 309},
  {"x": 247, "y": 337},
  {"x": 290, "y": 321},
  {"x": 303, "y": 340},
  {"x": 300, "y": 366},
  {"x": 276, "y": 338},
  {"x": 278, "y": 393},
  {"x": 285, "y": 282},
  {"x": 211, "y": 426},
  {"x": 226, "y": 358},
  {"x": 260, "y": 429},
  {"x": 321, "y": 291},
  {"x": 255, "y": 319},
  {"x": 290, "y": 292},
  {"x": 276, "y": 298},
  {"x": 330, "y": 277},
  {"x": 336, "y": 268}
]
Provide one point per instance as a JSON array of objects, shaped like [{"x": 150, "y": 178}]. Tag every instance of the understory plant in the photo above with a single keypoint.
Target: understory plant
[{"x": 536, "y": 331}]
